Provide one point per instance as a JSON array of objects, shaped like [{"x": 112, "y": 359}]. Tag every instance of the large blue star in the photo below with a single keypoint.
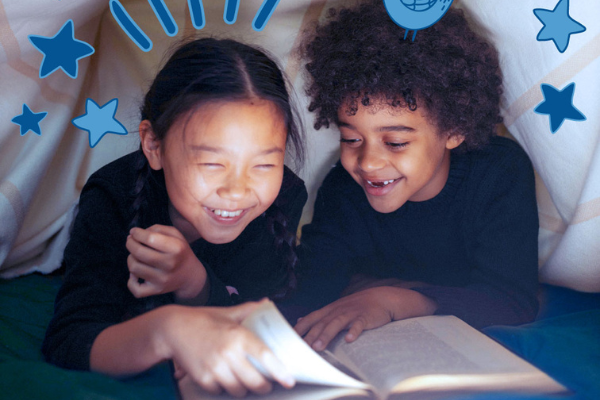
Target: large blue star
[
  {"x": 559, "y": 105},
  {"x": 61, "y": 51},
  {"x": 558, "y": 25},
  {"x": 99, "y": 121},
  {"x": 29, "y": 120}
]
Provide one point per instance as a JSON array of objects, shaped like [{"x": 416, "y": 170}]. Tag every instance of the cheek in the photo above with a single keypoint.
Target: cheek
[
  {"x": 269, "y": 187},
  {"x": 348, "y": 159}
]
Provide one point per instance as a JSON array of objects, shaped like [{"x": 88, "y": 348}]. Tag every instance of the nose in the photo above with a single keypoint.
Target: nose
[
  {"x": 370, "y": 159},
  {"x": 235, "y": 187}
]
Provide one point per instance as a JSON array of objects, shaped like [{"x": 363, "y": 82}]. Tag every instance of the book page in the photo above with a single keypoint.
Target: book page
[
  {"x": 302, "y": 361},
  {"x": 435, "y": 345},
  {"x": 190, "y": 391}
]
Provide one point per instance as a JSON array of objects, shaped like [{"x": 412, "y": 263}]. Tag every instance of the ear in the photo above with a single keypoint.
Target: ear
[
  {"x": 454, "y": 140},
  {"x": 151, "y": 146}
]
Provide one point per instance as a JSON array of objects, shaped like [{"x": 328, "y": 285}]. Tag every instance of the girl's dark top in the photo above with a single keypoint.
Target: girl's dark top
[
  {"x": 476, "y": 242},
  {"x": 94, "y": 294}
]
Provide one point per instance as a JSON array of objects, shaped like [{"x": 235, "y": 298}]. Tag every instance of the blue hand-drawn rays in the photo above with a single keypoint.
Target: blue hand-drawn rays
[
  {"x": 263, "y": 14},
  {"x": 230, "y": 12},
  {"x": 415, "y": 15},
  {"x": 129, "y": 26}
]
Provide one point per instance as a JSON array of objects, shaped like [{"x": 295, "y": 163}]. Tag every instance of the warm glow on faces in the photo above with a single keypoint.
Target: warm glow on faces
[
  {"x": 395, "y": 155},
  {"x": 223, "y": 167}
]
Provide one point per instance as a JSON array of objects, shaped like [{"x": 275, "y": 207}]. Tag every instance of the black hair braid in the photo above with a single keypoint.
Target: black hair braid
[
  {"x": 285, "y": 244},
  {"x": 139, "y": 191}
]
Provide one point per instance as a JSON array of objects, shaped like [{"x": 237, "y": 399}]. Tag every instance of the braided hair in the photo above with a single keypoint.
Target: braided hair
[{"x": 207, "y": 70}]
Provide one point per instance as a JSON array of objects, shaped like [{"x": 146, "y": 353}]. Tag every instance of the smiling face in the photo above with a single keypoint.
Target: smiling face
[
  {"x": 395, "y": 155},
  {"x": 223, "y": 167}
]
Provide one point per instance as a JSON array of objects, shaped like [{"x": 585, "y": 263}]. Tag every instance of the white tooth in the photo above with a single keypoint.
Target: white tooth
[
  {"x": 218, "y": 212},
  {"x": 238, "y": 212},
  {"x": 387, "y": 182},
  {"x": 224, "y": 213}
]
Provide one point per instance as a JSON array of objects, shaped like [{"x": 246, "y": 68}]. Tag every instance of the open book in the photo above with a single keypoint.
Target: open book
[{"x": 418, "y": 358}]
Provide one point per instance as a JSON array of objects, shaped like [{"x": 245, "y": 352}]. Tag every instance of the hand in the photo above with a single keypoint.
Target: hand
[
  {"x": 162, "y": 257},
  {"x": 360, "y": 282},
  {"x": 367, "y": 309},
  {"x": 209, "y": 346}
]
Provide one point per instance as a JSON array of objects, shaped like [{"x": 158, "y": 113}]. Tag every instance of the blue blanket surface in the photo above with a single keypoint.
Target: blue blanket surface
[{"x": 564, "y": 342}]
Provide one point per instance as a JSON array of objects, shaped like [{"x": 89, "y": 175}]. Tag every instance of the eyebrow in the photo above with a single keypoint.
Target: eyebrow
[
  {"x": 391, "y": 128},
  {"x": 221, "y": 150}
]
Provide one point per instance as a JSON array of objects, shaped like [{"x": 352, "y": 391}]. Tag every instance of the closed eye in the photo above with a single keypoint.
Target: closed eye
[
  {"x": 211, "y": 165},
  {"x": 265, "y": 166},
  {"x": 349, "y": 141},
  {"x": 396, "y": 145}
]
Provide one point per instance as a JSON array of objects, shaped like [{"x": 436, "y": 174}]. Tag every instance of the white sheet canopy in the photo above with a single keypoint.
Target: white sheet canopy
[{"x": 41, "y": 176}]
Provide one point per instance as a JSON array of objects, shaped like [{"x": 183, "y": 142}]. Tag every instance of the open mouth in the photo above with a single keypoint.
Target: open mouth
[
  {"x": 227, "y": 214},
  {"x": 381, "y": 183}
]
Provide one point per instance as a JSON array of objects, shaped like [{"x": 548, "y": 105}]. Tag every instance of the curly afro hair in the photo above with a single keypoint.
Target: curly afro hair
[{"x": 360, "y": 55}]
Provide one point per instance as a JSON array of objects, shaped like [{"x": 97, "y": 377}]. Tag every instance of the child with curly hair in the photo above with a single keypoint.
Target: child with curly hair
[{"x": 428, "y": 211}]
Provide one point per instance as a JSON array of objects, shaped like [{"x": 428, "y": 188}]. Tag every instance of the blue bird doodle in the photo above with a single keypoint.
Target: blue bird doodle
[{"x": 414, "y": 15}]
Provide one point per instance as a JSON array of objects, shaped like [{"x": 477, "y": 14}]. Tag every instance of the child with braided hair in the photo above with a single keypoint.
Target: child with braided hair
[{"x": 203, "y": 214}]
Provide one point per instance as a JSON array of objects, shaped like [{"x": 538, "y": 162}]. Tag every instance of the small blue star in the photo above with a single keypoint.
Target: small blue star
[
  {"x": 61, "y": 51},
  {"x": 99, "y": 121},
  {"x": 29, "y": 120},
  {"x": 558, "y": 25},
  {"x": 559, "y": 105}
]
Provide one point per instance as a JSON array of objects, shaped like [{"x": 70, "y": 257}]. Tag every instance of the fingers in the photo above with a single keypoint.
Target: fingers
[
  {"x": 207, "y": 382},
  {"x": 144, "y": 271},
  {"x": 306, "y": 323},
  {"x": 273, "y": 367},
  {"x": 225, "y": 377},
  {"x": 276, "y": 369},
  {"x": 240, "y": 312},
  {"x": 324, "y": 331},
  {"x": 357, "y": 327},
  {"x": 144, "y": 289},
  {"x": 167, "y": 231},
  {"x": 159, "y": 239},
  {"x": 250, "y": 377},
  {"x": 143, "y": 253}
]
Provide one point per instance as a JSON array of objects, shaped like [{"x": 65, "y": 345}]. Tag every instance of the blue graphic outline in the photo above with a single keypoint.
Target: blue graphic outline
[
  {"x": 93, "y": 115},
  {"x": 556, "y": 107},
  {"x": 29, "y": 121},
  {"x": 557, "y": 23},
  {"x": 416, "y": 20},
  {"x": 164, "y": 17},
  {"x": 128, "y": 25},
  {"x": 263, "y": 15},
  {"x": 62, "y": 50},
  {"x": 197, "y": 13},
  {"x": 230, "y": 11}
]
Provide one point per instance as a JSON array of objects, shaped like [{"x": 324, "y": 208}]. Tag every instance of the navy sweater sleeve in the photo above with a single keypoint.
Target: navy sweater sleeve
[
  {"x": 502, "y": 239},
  {"x": 94, "y": 294},
  {"x": 475, "y": 244},
  {"x": 334, "y": 245}
]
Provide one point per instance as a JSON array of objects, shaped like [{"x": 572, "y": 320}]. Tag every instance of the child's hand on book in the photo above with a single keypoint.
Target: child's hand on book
[
  {"x": 366, "y": 309},
  {"x": 359, "y": 282},
  {"x": 218, "y": 359},
  {"x": 161, "y": 261}
]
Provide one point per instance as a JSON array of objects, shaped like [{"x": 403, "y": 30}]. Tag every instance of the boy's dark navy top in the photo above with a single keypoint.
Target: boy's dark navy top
[
  {"x": 476, "y": 242},
  {"x": 94, "y": 294}
]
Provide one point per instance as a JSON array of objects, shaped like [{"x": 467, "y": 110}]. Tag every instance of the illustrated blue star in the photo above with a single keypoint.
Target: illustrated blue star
[
  {"x": 558, "y": 25},
  {"x": 61, "y": 51},
  {"x": 29, "y": 120},
  {"x": 559, "y": 105},
  {"x": 99, "y": 121}
]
